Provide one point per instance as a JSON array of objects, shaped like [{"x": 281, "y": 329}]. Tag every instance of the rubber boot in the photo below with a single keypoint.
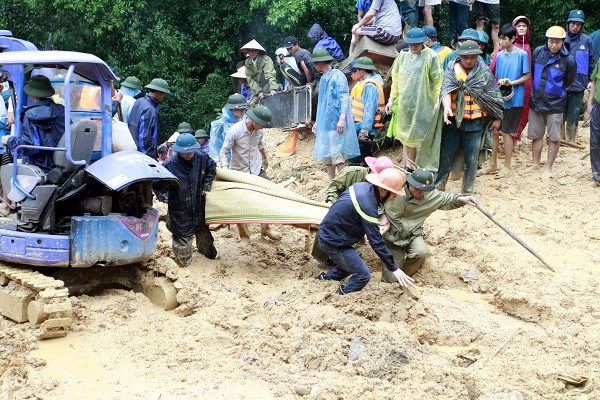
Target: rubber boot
[
  {"x": 571, "y": 133},
  {"x": 265, "y": 230}
]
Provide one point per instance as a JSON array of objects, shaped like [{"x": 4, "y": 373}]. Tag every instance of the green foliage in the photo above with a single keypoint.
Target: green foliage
[{"x": 194, "y": 44}]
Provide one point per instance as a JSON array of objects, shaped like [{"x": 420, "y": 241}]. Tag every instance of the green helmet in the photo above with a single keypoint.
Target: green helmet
[
  {"x": 201, "y": 133},
  {"x": 321, "y": 55},
  {"x": 361, "y": 63},
  {"x": 469, "y": 48},
  {"x": 261, "y": 115},
  {"x": 39, "y": 86},
  {"x": 184, "y": 127},
  {"x": 159, "y": 85},
  {"x": 185, "y": 144},
  {"x": 236, "y": 102},
  {"x": 132, "y": 82},
  {"x": 422, "y": 179}
]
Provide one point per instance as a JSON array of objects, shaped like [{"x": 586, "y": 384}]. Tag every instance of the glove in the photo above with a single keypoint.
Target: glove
[{"x": 403, "y": 279}]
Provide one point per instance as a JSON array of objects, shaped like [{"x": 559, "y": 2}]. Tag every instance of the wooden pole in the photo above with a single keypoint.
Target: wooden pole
[{"x": 512, "y": 235}]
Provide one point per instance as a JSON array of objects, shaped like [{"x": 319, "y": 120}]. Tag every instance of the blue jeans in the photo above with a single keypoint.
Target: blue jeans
[
  {"x": 458, "y": 17},
  {"x": 454, "y": 138},
  {"x": 595, "y": 141},
  {"x": 346, "y": 262}
]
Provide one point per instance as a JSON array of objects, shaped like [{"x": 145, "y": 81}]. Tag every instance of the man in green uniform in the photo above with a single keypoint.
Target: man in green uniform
[
  {"x": 260, "y": 71},
  {"x": 408, "y": 213}
]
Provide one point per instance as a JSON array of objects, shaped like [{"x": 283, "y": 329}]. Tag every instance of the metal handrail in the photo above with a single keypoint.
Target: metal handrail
[{"x": 66, "y": 149}]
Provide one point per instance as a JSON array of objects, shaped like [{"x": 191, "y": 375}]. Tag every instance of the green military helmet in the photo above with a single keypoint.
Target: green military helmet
[
  {"x": 186, "y": 143},
  {"x": 321, "y": 55},
  {"x": 468, "y": 48},
  {"x": 236, "y": 102},
  {"x": 422, "y": 179},
  {"x": 362, "y": 63},
  {"x": 201, "y": 133},
  {"x": 132, "y": 82},
  {"x": 184, "y": 127},
  {"x": 261, "y": 115},
  {"x": 39, "y": 86},
  {"x": 159, "y": 84}
]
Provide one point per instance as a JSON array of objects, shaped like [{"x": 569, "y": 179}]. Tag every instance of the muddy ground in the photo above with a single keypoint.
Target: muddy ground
[{"x": 262, "y": 328}]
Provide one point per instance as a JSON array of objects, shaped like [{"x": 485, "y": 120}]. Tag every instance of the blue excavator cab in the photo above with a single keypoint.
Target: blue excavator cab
[{"x": 91, "y": 212}]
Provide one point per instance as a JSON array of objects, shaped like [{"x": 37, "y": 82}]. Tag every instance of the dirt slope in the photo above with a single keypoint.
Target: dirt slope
[{"x": 263, "y": 328}]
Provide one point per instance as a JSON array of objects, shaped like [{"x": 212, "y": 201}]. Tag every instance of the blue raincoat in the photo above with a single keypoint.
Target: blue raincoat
[
  {"x": 334, "y": 100},
  {"x": 128, "y": 100},
  {"x": 218, "y": 129}
]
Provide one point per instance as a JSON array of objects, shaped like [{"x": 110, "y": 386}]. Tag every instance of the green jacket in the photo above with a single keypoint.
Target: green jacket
[
  {"x": 407, "y": 214},
  {"x": 261, "y": 77},
  {"x": 342, "y": 181}
]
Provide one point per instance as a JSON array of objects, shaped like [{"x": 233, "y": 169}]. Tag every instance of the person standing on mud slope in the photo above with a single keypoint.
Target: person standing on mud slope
[
  {"x": 354, "y": 215},
  {"x": 245, "y": 142},
  {"x": 143, "y": 119},
  {"x": 185, "y": 217},
  {"x": 336, "y": 139},
  {"x": 260, "y": 71},
  {"x": 407, "y": 214}
]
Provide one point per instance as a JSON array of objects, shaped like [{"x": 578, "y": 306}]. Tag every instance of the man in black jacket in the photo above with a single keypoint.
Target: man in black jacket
[{"x": 185, "y": 218}]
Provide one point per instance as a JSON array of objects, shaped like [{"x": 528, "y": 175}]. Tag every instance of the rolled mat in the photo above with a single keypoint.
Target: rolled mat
[{"x": 239, "y": 197}]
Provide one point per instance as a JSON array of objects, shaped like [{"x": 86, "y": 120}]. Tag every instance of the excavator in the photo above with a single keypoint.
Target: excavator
[{"x": 87, "y": 222}]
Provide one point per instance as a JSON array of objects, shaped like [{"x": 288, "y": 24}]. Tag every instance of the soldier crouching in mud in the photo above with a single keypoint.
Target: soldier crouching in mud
[
  {"x": 185, "y": 217},
  {"x": 408, "y": 213}
]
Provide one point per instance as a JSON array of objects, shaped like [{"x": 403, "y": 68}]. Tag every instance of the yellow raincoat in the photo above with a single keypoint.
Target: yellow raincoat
[{"x": 416, "y": 83}]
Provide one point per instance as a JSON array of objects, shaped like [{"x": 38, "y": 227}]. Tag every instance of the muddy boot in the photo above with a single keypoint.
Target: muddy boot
[
  {"x": 265, "y": 230},
  {"x": 412, "y": 265},
  {"x": 571, "y": 133},
  {"x": 182, "y": 250},
  {"x": 243, "y": 232}
]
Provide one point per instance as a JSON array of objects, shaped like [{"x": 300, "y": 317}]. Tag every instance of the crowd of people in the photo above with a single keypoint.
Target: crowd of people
[
  {"x": 444, "y": 101},
  {"x": 444, "y": 104}
]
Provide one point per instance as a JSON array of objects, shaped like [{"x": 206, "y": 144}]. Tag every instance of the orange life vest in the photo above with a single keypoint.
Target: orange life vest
[
  {"x": 358, "y": 106},
  {"x": 471, "y": 110}
]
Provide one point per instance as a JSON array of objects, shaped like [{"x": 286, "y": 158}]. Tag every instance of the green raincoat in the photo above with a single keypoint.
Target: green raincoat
[
  {"x": 261, "y": 75},
  {"x": 416, "y": 80}
]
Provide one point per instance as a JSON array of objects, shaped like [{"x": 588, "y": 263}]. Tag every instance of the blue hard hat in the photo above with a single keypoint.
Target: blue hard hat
[
  {"x": 576, "y": 16},
  {"x": 469, "y": 34},
  {"x": 430, "y": 31},
  {"x": 415, "y": 36},
  {"x": 483, "y": 37}
]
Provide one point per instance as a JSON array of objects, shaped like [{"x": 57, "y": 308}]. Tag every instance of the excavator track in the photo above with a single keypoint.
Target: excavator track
[{"x": 27, "y": 295}]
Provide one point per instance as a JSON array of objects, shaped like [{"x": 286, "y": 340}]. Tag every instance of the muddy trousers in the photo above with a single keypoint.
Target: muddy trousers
[
  {"x": 574, "y": 100},
  {"x": 408, "y": 258},
  {"x": 595, "y": 142},
  {"x": 347, "y": 262},
  {"x": 182, "y": 246},
  {"x": 454, "y": 138}
]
